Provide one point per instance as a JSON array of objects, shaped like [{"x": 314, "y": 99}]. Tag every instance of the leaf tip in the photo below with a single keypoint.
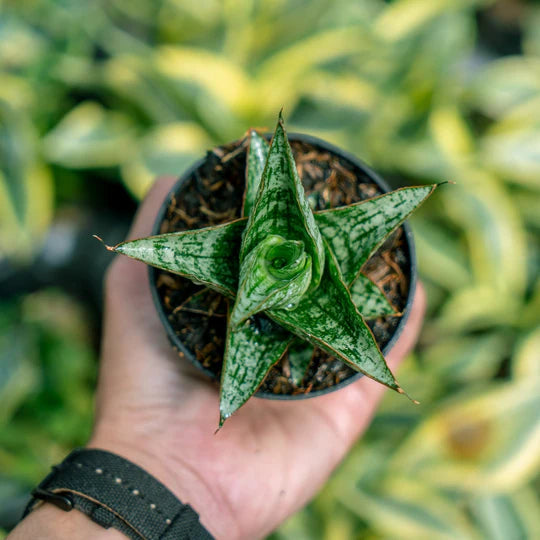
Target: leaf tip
[
  {"x": 109, "y": 248},
  {"x": 222, "y": 419},
  {"x": 401, "y": 391}
]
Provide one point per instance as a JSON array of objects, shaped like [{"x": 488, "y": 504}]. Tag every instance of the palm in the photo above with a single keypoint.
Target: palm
[{"x": 266, "y": 462}]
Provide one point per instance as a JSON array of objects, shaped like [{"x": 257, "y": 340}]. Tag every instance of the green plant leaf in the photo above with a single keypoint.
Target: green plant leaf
[
  {"x": 328, "y": 319},
  {"x": 508, "y": 515},
  {"x": 256, "y": 159},
  {"x": 208, "y": 256},
  {"x": 90, "y": 136},
  {"x": 369, "y": 299},
  {"x": 485, "y": 439},
  {"x": 163, "y": 151},
  {"x": 526, "y": 360},
  {"x": 218, "y": 269},
  {"x": 251, "y": 350},
  {"x": 401, "y": 507},
  {"x": 281, "y": 207},
  {"x": 300, "y": 355},
  {"x": 275, "y": 274},
  {"x": 354, "y": 232}
]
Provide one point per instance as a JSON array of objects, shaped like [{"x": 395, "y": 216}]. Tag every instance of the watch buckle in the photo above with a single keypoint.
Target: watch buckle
[{"x": 61, "y": 500}]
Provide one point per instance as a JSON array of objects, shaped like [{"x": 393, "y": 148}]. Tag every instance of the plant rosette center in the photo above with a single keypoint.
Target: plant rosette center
[{"x": 295, "y": 277}]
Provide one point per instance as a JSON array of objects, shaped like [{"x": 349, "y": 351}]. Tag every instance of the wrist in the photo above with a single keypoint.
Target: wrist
[
  {"x": 182, "y": 479},
  {"x": 50, "y": 523},
  {"x": 114, "y": 492}
]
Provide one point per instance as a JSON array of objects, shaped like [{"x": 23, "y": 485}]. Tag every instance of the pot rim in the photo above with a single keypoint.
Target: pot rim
[{"x": 372, "y": 175}]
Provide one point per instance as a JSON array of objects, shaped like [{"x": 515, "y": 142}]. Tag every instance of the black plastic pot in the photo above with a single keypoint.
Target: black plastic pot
[{"x": 365, "y": 174}]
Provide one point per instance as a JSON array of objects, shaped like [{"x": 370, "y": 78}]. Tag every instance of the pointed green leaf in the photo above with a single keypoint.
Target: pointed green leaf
[
  {"x": 217, "y": 269},
  {"x": 328, "y": 319},
  {"x": 369, "y": 299},
  {"x": 300, "y": 355},
  {"x": 251, "y": 350},
  {"x": 90, "y": 136},
  {"x": 256, "y": 159},
  {"x": 354, "y": 232},
  {"x": 281, "y": 207},
  {"x": 275, "y": 274},
  {"x": 208, "y": 256}
]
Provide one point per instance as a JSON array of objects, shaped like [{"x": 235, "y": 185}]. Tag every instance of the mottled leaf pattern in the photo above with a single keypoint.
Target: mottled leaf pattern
[
  {"x": 251, "y": 351},
  {"x": 328, "y": 319},
  {"x": 207, "y": 256},
  {"x": 281, "y": 207},
  {"x": 354, "y": 232},
  {"x": 276, "y": 274},
  {"x": 256, "y": 159},
  {"x": 275, "y": 261},
  {"x": 369, "y": 299},
  {"x": 300, "y": 355}
]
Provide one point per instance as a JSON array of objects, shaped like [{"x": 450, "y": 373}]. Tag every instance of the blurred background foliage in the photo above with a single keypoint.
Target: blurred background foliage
[{"x": 98, "y": 98}]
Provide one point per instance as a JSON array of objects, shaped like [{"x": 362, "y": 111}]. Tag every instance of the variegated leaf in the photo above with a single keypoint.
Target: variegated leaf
[
  {"x": 251, "y": 350},
  {"x": 508, "y": 515},
  {"x": 328, "y": 319},
  {"x": 354, "y": 232},
  {"x": 399, "y": 507},
  {"x": 300, "y": 355},
  {"x": 369, "y": 299},
  {"x": 486, "y": 439},
  {"x": 281, "y": 207},
  {"x": 256, "y": 159},
  {"x": 275, "y": 274},
  {"x": 208, "y": 256}
]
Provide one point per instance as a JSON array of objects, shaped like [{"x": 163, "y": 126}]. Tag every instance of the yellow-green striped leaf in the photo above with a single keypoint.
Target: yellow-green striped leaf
[
  {"x": 504, "y": 516},
  {"x": 90, "y": 136},
  {"x": 409, "y": 510},
  {"x": 526, "y": 361},
  {"x": 486, "y": 441}
]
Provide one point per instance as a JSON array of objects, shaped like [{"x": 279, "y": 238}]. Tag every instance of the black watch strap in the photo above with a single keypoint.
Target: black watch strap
[{"x": 114, "y": 492}]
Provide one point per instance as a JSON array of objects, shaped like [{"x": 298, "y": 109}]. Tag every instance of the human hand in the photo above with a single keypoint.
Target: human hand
[{"x": 270, "y": 458}]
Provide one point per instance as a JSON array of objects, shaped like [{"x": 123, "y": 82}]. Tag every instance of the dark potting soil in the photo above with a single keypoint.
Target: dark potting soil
[{"x": 213, "y": 195}]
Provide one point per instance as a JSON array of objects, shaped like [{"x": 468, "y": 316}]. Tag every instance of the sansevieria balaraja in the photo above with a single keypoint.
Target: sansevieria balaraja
[{"x": 302, "y": 269}]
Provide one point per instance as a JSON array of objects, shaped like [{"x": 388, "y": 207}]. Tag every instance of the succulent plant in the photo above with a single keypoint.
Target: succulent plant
[{"x": 292, "y": 275}]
